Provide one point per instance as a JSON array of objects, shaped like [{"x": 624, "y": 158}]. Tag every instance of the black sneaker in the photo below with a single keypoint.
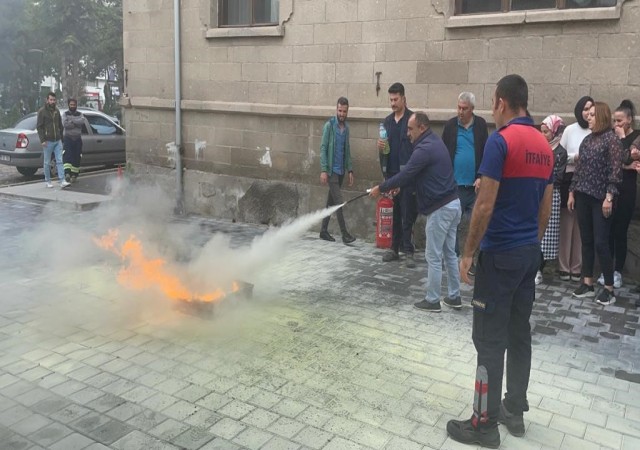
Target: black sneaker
[
  {"x": 606, "y": 297},
  {"x": 564, "y": 276},
  {"x": 410, "y": 262},
  {"x": 465, "y": 433},
  {"x": 67, "y": 177},
  {"x": 326, "y": 236},
  {"x": 427, "y": 306},
  {"x": 347, "y": 238},
  {"x": 453, "y": 302},
  {"x": 576, "y": 277},
  {"x": 390, "y": 255},
  {"x": 584, "y": 291},
  {"x": 513, "y": 422}
]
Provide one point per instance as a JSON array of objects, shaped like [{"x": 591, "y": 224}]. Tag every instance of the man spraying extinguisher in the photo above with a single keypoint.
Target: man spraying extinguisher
[{"x": 431, "y": 171}]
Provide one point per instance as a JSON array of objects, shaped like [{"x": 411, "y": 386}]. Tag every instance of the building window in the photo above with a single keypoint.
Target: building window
[
  {"x": 248, "y": 13},
  {"x": 503, "y": 6}
]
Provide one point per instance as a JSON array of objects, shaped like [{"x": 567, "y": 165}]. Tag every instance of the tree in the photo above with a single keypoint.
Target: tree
[
  {"x": 65, "y": 30},
  {"x": 16, "y": 78},
  {"x": 79, "y": 39}
]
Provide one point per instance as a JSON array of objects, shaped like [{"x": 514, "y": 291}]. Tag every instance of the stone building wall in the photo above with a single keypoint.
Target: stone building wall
[{"x": 253, "y": 105}]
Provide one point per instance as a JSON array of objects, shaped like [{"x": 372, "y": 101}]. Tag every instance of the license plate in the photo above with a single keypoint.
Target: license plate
[{"x": 5, "y": 158}]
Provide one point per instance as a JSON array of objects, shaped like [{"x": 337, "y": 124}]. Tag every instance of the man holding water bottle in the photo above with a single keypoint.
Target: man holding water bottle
[{"x": 395, "y": 150}]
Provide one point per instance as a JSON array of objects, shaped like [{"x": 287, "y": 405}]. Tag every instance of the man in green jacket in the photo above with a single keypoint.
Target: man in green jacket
[
  {"x": 49, "y": 126},
  {"x": 335, "y": 163}
]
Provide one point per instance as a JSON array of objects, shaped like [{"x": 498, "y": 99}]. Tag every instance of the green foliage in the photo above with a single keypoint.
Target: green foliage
[{"x": 79, "y": 39}]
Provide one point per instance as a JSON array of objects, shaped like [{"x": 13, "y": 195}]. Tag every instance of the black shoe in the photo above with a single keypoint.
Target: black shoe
[
  {"x": 584, "y": 291},
  {"x": 67, "y": 177},
  {"x": 74, "y": 178},
  {"x": 465, "y": 433},
  {"x": 347, "y": 238},
  {"x": 472, "y": 270},
  {"x": 576, "y": 277},
  {"x": 513, "y": 422},
  {"x": 410, "y": 262},
  {"x": 426, "y": 306},
  {"x": 606, "y": 297},
  {"x": 564, "y": 276},
  {"x": 390, "y": 255},
  {"x": 453, "y": 302},
  {"x": 326, "y": 236}
]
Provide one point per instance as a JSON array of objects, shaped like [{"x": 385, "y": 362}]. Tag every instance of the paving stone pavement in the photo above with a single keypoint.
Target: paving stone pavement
[{"x": 329, "y": 353}]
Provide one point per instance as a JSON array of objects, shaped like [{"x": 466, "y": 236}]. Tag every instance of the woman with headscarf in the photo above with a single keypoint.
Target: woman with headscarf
[
  {"x": 592, "y": 193},
  {"x": 570, "y": 251},
  {"x": 552, "y": 128}
]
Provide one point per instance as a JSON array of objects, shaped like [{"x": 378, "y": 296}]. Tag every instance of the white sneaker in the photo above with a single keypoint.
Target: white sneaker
[
  {"x": 49, "y": 185},
  {"x": 601, "y": 280},
  {"x": 617, "y": 279},
  {"x": 64, "y": 184},
  {"x": 538, "y": 279}
]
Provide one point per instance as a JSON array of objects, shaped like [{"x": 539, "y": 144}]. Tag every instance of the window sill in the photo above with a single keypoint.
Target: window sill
[
  {"x": 540, "y": 16},
  {"x": 221, "y": 33}
]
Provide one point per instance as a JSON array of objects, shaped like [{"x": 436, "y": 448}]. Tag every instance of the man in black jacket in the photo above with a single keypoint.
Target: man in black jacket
[
  {"x": 404, "y": 204},
  {"x": 49, "y": 126},
  {"x": 465, "y": 136}
]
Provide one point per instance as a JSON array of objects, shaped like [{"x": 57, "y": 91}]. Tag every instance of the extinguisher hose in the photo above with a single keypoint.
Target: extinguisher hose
[{"x": 357, "y": 197}]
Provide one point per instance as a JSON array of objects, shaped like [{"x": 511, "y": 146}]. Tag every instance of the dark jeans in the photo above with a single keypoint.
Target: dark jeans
[
  {"x": 594, "y": 234},
  {"x": 335, "y": 198},
  {"x": 622, "y": 214},
  {"x": 467, "y": 195},
  {"x": 405, "y": 213},
  {"x": 502, "y": 301},
  {"x": 72, "y": 155}
]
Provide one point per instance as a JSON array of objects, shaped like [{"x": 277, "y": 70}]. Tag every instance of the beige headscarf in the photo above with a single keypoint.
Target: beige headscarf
[{"x": 556, "y": 125}]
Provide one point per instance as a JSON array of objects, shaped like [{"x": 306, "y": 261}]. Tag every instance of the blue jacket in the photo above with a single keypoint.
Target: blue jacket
[{"x": 430, "y": 169}]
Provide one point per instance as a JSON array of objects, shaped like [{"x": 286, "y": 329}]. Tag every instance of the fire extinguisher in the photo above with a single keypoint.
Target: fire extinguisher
[{"x": 384, "y": 222}]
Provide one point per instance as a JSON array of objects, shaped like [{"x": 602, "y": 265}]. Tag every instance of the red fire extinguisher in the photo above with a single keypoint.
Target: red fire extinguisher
[{"x": 384, "y": 222}]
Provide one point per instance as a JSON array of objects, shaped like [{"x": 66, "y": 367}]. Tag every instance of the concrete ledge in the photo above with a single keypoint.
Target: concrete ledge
[
  {"x": 67, "y": 198},
  {"x": 534, "y": 16},
  {"x": 269, "y": 31},
  {"x": 268, "y": 109}
]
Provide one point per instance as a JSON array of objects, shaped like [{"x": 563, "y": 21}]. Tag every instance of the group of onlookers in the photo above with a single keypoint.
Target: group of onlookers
[
  {"x": 595, "y": 165},
  {"x": 597, "y": 196}
]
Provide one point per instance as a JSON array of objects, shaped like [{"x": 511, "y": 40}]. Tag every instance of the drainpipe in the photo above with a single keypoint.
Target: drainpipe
[{"x": 179, "y": 209}]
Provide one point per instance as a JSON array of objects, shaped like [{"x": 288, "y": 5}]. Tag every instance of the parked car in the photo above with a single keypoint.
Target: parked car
[{"x": 103, "y": 143}]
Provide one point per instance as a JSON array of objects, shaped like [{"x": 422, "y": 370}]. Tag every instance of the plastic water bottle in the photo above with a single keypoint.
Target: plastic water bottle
[
  {"x": 384, "y": 153},
  {"x": 383, "y": 136}
]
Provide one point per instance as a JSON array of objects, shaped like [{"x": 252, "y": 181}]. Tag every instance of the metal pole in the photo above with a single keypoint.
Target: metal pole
[{"x": 178, "y": 81}]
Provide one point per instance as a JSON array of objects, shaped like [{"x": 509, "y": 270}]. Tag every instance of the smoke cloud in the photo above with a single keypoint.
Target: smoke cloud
[{"x": 63, "y": 242}]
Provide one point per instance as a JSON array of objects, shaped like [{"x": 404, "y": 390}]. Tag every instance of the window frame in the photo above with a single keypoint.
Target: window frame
[
  {"x": 520, "y": 17},
  {"x": 252, "y": 24},
  {"x": 506, "y": 8},
  {"x": 217, "y": 31}
]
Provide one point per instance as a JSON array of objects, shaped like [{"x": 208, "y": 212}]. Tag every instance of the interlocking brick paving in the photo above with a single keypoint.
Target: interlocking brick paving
[{"x": 328, "y": 353}]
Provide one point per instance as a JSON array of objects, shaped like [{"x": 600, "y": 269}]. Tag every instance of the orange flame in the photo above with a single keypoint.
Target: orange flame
[{"x": 141, "y": 273}]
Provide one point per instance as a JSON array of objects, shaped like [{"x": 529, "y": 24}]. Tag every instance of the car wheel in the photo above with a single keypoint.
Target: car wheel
[{"x": 27, "y": 171}]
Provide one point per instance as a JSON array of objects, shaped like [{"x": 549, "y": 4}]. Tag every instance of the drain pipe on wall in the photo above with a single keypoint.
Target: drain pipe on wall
[{"x": 179, "y": 209}]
